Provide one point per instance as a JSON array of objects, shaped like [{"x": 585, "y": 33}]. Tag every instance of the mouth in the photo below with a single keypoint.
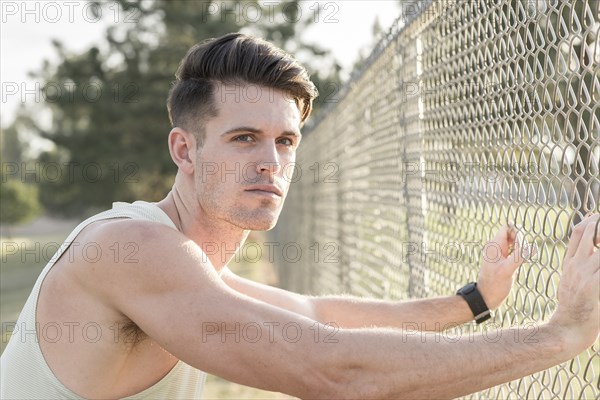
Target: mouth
[{"x": 265, "y": 190}]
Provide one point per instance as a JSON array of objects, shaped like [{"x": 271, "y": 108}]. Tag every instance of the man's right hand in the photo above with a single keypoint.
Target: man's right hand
[{"x": 578, "y": 314}]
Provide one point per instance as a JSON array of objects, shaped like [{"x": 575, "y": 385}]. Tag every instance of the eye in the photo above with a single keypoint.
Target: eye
[
  {"x": 243, "y": 139},
  {"x": 286, "y": 141}
]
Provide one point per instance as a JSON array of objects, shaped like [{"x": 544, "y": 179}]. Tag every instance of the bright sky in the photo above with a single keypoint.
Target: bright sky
[{"x": 28, "y": 27}]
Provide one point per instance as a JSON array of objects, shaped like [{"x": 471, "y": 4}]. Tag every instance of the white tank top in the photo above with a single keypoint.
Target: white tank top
[{"x": 24, "y": 373}]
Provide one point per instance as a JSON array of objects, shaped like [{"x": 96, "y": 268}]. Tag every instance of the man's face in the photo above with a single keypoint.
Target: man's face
[{"x": 244, "y": 167}]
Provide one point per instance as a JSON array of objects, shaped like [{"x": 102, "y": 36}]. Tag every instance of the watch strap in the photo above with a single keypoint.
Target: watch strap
[{"x": 473, "y": 297}]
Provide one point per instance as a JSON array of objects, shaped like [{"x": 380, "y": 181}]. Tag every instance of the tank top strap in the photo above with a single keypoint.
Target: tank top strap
[{"x": 137, "y": 210}]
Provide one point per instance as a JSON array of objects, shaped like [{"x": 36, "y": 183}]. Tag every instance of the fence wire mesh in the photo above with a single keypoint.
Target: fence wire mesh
[{"x": 466, "y": 116}]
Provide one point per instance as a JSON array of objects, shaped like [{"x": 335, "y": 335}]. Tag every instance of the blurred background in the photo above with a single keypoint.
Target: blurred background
[
  {"x": 438, "y": 122},
  {"x": 83, "y": 112},
  {"x": 83, "y": 94}
]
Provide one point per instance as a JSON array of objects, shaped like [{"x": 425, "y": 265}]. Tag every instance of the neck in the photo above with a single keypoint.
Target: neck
[{"x": 218, "y": 239}]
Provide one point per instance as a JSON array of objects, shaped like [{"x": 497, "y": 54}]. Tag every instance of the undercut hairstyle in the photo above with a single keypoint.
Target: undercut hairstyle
[{"x": 234, "y": 59}]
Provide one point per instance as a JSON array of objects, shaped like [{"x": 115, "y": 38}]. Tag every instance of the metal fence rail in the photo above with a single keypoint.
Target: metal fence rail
[{"x": 466, "y": 116}]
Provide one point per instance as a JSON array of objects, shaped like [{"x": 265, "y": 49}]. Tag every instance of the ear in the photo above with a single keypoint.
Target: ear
[{"x": 182, "y": 146}]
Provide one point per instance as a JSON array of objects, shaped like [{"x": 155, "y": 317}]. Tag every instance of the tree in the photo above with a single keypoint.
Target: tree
[
  {"x": 18, "y": 202},
  {"x": 110, "y": 122},
  {"x": 12, "y": 147},
  {"x": 18, "y": 199}
]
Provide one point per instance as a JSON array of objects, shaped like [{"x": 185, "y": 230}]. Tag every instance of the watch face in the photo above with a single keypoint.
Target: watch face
[{"x": 469, "y": 288}]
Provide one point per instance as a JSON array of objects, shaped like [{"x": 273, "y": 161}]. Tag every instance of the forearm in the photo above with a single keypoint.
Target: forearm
[
  {"x": 301, "y": 358},
  {"x": 391, "y": 364},
  {"x": 434, "y": 314},
  {"x": 352, "y": 312}
]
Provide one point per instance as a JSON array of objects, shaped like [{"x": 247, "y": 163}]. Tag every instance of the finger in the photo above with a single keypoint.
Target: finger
[
  {"x": 515, "y": 260},
  {"x": 596, "y": 278},
  {"x": 596, "y": 240},
  {"x": 505, "y": 239},
  {"x": 576, "y": 236},
  {"x": 587, "y": 242}
]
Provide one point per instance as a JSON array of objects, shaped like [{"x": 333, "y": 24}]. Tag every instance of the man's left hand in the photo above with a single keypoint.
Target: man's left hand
[{"x": 497, "y": 272}]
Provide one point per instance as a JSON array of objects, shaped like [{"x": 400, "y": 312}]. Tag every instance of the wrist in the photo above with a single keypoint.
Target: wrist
[
  {"x": 561, "y": 338},
  {"x": 487, "y": 292},
  {"x": 575, "y": 336}
]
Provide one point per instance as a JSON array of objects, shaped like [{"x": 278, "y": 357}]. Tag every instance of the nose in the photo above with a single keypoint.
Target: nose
[{"x": 269, "y": 161}]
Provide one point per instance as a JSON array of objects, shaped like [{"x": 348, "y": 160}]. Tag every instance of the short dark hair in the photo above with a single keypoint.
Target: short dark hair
[{"x": 239, "y": 59}]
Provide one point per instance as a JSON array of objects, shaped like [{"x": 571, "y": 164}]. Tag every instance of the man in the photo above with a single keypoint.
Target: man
[{"x": 149, "y": 310}]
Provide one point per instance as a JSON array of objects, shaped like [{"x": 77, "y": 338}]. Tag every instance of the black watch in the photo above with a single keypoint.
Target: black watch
[{"x": 471, "y": 294}]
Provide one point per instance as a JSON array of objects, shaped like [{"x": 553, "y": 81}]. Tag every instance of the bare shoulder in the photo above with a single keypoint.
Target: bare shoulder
[{"x": 125, "y": 255}]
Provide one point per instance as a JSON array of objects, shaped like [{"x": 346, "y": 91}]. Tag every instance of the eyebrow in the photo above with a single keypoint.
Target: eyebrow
[{"x": 249, "y": 129}]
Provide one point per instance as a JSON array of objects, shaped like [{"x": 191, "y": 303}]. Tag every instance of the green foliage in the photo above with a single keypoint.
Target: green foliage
[
  {"x": 18, "y": 202},
  {"x": 12, "y": 148},
  {"x": 109, "y": 106}
]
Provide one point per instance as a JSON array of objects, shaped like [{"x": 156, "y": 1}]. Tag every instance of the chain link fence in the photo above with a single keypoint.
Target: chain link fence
[{"x": 466, "y": 116}]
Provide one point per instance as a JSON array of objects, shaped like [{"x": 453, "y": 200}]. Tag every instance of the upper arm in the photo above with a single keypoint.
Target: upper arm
[
  {"x": 173, "y": 294},
  {"x": 290, "y": 301}
]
